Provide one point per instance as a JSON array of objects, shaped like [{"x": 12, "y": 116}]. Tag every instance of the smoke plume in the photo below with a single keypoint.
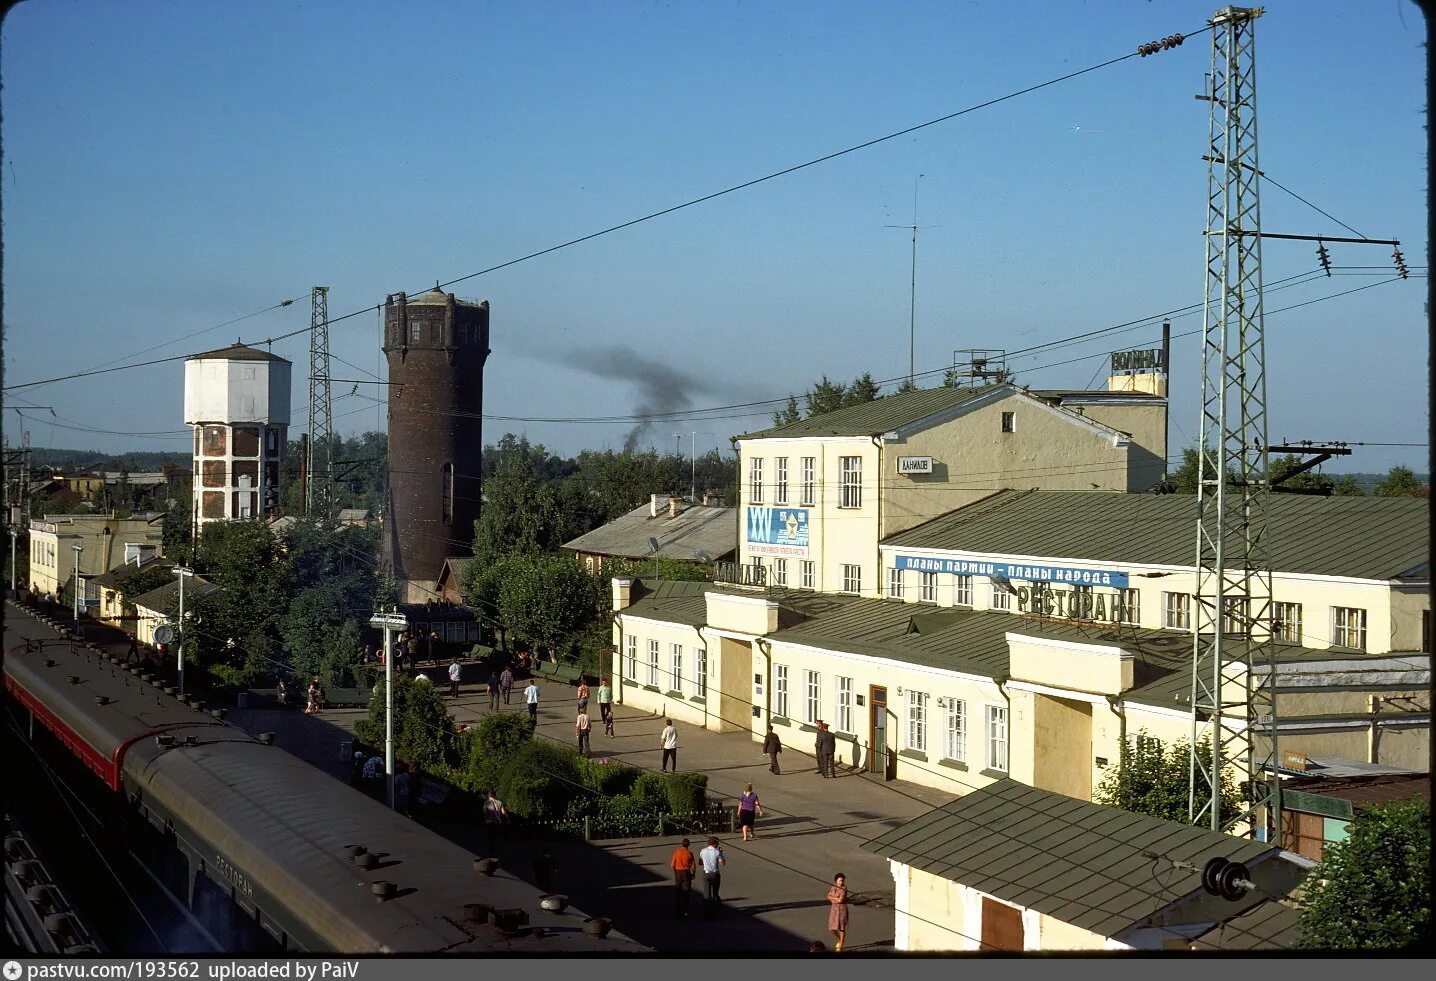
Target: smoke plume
[{"x": 662, "y": 388}]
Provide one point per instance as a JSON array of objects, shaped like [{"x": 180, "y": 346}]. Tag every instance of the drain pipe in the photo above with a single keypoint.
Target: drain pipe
[
  {"x": 766, "y": 646},
  {"x": 618, "y": 654},
  {"x": 703, "y": 643}
]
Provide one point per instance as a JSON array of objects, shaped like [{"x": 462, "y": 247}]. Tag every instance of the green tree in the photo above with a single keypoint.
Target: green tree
[
  {"x": 789, "y": 413},
  {"x": 327, "y": 589},
  {"x": 1400, "y": 482},
  {"x": 522, "y": 513},
  {"x": 826, "y": 396},
  {"x": 547, "y": 601},
  {"x": 1151, "y": 780},
  {"x": 1308, "y": 482},
  {"x": 863, "y": 389},
  {"x": 423, "y": 729},
  {"x": 1373, "y": 890},
  {"x": 1346, "y": 486},
  {"x": 238, "y": 631},
  {"x": 1184, "y": 478},
  {"x": 152, "y": 577}
]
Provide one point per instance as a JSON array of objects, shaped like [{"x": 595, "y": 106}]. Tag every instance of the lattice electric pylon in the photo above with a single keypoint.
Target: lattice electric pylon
[
  {"x": 1233, "y": 676},
  {"x": 319, "y": 466}
]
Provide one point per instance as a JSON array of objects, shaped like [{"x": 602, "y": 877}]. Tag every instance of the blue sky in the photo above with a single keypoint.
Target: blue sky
[{"x": 171, "y": 166}]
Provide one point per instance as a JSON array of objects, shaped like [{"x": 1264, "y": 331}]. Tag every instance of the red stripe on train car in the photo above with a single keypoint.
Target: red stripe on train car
[{"x": 107, "y": 769}]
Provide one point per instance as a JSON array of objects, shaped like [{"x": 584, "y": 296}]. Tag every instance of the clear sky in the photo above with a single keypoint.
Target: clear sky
[{"x": 172, "y": 166}]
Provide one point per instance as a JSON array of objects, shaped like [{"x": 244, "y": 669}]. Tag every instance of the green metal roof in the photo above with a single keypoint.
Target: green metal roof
[
  {"x": 1266, "y": 927},
  {"x": 1096, "y": 867},
  {"x": 1379, "y": 538},
  {"x": 878, "y": 416}
]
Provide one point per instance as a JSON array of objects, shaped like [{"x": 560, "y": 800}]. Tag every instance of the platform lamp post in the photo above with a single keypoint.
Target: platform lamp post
[
  {"x": 78, "y": 549},
  {"x": 14, "y": 570},
  {"x": 391, "y": 623},
  {"x": 184, "y": 573}
]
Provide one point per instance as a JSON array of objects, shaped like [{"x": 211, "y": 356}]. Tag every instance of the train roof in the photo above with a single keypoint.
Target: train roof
[{"x": 281, "y": 829}]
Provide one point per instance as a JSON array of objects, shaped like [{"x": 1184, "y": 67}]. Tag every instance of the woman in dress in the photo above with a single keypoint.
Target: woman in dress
[
  {"x": 838, "y": 910},
  {"x": 314, "y": 695},
  {"x": 748, "y": 808}
]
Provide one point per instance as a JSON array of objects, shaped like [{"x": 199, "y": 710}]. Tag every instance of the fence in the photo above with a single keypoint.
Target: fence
[{"x": 629, "y": 824}]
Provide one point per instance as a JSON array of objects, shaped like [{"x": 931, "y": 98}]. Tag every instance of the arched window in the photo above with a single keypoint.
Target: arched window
[{"x": 448, "y": 482}]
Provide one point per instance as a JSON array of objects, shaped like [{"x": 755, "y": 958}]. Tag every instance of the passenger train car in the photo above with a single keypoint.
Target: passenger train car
[{"x": 261, "y": 846}]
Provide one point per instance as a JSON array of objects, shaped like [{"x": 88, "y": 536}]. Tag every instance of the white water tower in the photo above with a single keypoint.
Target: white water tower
[{"x": 237, "y": 401}]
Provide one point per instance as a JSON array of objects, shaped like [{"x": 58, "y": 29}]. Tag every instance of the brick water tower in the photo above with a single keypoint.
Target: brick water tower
[
  {"x": 436, "y": 346},
  {"x": 237, "y": 401}
]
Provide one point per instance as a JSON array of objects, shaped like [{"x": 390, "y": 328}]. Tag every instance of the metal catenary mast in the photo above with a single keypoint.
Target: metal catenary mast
[
  {"x": 319, "y": 464},
  {"x": 1233, "y": 674}
]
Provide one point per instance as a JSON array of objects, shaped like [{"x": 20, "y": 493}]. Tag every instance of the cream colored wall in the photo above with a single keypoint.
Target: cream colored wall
[
  {"x": 837, "y": 536},
  {"x": 1062, "y": 746},
  {"x": 956, "y": 777},
  {"x": 973, "y": 457},
  {"x": 102, "y": 553},
  {"x": 1055, "y": 934},
  {"x": 936, "y": 914},
  {"x": 691, "y": 707},
  {"x": 1407, "y": 605},
  {"x": 732, "y": 684},
  {"x": 1103, "y": 669},
  {"x": 1147, "y": 425}
]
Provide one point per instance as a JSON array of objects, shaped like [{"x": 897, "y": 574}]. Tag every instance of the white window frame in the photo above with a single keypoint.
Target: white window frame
[
  {"x": 780, "y": 691},
  {"x": 812, "y": 696},
  {"x": 780, "y": 475},
  {"x": 755, "y": 480},
  {"x": 700, "y": 672},
  {"x": 1285, "y": 617},
  {"x": 962, "y": 591},
  {"x": 780, "y": 572},
  {"x": 927, "y": 587},
  {"x": 810, "y": 481},
  {"x": 807, "y": 570},
  {"x": 1236, "y": 623},
  {"x": 675, "y": 655},
  {"x": 1001, "y": 598},
  {"x": 850, "y": 471},
  {"x": 631, "y": 642},
  {"x": 955, "y": 730},
  {"x": 997, "y": 738},
  {"x": 895, "y": 583},
  {"x": 917, "y": 720},
  {"x": 852, "y": 579},
  {"x": 1348, "y": 630},
  {"x": 843, "y": 704},
  {"x": 1009, "y": 422},
  {"x": 1177, "y": 611},
  {"x": 653, "y": 662}
]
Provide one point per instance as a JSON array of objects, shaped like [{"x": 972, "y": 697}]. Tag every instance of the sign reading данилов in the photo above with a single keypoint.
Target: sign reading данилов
[{"x": 1014, "y": 570}]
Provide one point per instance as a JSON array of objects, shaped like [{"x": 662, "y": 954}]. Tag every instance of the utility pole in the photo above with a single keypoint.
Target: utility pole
[
  {"x": 693, "y": 464},
  {"x": 1233, "y": 691},
  {"x": 184, "y": 572},
  {"x": 319, "y": 461},
  {"x": 79, "y": 549},
  {"x": 14, "y": 570},
  {"x": 390, "y": 623},
  {"x": 677, "y": 456}
]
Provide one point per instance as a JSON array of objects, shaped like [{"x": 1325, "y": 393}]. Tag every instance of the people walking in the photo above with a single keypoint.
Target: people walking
[
  {"x": 506, "y": 681},
  {"x": 494, "y": 685},
  {"x": 749, "y": 807},
  {"x": 772, "y": 746},
  {"x": 682, "y": 864},
  {"x": 531, "y": 697},
  {"x": 605, "y": 706},
  {"x": 454, "y": 672},
  {"x": 669, "y": 743},
  {"x": 582, "y": 695},
  {"x": 838, "y": 910},
  {"x": 712, "y": 860},
  {"x": 581, "y": 728},
  {"x": 133, "y": 654},
  {"x": 826, "y": 747}
]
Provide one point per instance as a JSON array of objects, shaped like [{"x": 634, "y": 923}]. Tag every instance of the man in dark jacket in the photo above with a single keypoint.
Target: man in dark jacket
[
  {"x": 772, "y": 746},
  {"x": 826, "y": 748}
]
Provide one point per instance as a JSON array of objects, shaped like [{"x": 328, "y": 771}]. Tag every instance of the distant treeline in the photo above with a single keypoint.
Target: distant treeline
[{"x": 138, "y": 461}]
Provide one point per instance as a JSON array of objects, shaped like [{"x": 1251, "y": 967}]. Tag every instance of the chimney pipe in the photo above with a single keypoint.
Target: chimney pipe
[
  {"x": 653, "y": 505},
  {"x": 673, "y": 507}
]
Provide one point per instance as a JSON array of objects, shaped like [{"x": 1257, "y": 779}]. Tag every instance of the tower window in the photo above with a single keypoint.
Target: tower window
[{"x": 448, "y": 482}]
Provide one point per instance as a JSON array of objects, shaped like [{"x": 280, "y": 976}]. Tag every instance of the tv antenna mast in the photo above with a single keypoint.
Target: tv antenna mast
[{"x": 912, "y": 286}]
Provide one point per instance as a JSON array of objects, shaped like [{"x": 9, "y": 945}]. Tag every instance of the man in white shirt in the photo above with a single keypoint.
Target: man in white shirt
[
  {"x": 454, "y": 671},
  {"x": 711, "y": 860},
  {"x": 531, "y": 695},
  {"x": 669, "y": 743}
]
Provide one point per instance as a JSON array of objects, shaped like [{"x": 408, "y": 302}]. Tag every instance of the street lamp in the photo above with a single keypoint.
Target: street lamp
[
  {"x": 391, "y": 623},
  {"x": 78, "y": 549},
  {"x": 183, "y": 573},
  {"x": 14, "y": 570}
]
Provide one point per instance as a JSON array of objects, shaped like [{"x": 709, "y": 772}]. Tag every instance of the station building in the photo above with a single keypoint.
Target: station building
[
  {"x": 107, "y": 543},
  {"x": 966, "y": 632}
]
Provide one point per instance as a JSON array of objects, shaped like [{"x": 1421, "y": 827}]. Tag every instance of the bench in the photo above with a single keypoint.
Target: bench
[{"x": 558, "y": 672}]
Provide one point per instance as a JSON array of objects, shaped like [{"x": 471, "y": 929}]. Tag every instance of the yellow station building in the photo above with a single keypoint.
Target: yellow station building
[{"x": 965, "y": 585}]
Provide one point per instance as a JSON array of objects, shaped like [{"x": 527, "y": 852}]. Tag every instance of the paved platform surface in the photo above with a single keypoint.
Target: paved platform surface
[{"x": 773, "y": 887}]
